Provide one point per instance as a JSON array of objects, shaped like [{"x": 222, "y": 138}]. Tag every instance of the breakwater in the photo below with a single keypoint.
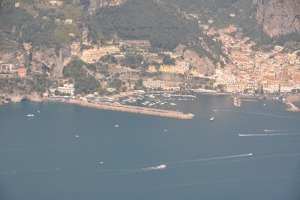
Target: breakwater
[
  {"x": 291, "y": 107},
  {"x": 128, "y": 108}
]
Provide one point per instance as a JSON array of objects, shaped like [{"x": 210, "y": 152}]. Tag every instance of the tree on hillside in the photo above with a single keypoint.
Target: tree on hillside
[{"x": 167, "y": 60}]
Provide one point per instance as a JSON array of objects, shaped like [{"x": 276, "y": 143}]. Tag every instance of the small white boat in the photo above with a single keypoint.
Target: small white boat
[
  {"x": 212, "y": 119},
  {"x": 266, "y": 130},
  {"x": 30, "y": 115},
  {"x": 38, "y": 111},
  {"x": 161, "y": 166},
  {"x": 77, "y": 136},
  {"x": 145, "y": 103},
  {"x": 116, "y": 125}
]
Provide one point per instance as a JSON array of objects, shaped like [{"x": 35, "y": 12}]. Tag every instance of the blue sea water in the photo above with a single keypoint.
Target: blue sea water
[{"x": 69, "y": 152}]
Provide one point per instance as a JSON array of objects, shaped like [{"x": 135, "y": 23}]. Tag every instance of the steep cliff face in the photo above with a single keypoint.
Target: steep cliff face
[
  {"x": 97, "y": 4},
  {"x": 42, "y": 57},
  {"x": 278, "y": 17},
  {"x": 202, "y": 64},
  {"x": 47, "y": 57}
]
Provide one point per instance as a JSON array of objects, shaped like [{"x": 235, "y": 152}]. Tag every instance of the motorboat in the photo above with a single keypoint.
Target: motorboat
[
  {"x": 212, "y": 119},
  {"x": 30, "y": 115},
  {"x": 161, "y": 166}
]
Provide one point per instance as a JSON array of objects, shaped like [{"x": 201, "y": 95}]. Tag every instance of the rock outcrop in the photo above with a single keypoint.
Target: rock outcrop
[
  {"x": 278, "y": 17},
  {"x": 18, "y": 97},
  {"x": 202, "y": 64},
  {"x": 62, "y": 60},
  {"x": 17, "y": 56},
  {"x": 42, "y": 57},
  {"x": 97, "y": 4}
]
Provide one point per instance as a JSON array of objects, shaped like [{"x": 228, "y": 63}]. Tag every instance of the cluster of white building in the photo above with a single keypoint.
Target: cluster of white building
[{"x": 270, "y": 72}]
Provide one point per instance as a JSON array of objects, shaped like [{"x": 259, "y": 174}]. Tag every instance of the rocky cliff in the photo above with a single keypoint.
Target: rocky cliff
[{"x": 278, "y": 17}]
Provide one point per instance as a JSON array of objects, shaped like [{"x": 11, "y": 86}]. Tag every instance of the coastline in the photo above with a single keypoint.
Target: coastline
[{"x": 138, "y": 109}]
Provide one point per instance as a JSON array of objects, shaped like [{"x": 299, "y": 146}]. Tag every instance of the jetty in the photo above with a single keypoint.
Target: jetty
[
  {"x": 291, "y": 107},
  {"x": 289, "y": 102},
  {"x": 131, "y": 109}
]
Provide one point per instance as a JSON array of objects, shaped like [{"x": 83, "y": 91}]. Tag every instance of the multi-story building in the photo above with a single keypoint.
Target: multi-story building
[
  {"x": 153, "y": 84},
  {"x": 9, "y": 67},
  {"x": 66, "y": 89},
  {"x": 237, "y": 87}
]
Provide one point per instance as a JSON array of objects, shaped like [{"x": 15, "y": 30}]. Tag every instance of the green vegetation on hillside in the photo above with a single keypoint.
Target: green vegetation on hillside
[
  {"x": 84, "y": 83},
  {"x": 19, "y": 25},
  {"x": 144, "y": 19},
  {"x": 161, "y": 22}
]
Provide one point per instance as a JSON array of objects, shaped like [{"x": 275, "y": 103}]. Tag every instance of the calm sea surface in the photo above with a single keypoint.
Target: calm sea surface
[{"x": 67, "y": 152}]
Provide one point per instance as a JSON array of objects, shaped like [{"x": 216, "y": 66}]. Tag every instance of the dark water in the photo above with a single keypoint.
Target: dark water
[{"x": 41, "y": 157}]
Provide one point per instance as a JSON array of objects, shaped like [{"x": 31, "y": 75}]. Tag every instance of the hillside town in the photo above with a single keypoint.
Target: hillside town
[
  {"x": 270, "y": 72},
  {"x": 247, "y": 71}
]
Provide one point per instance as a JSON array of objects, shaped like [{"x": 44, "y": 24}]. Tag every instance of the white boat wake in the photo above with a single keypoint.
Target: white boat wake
[
  {"x": 159, "y": 167},
  {"x": 132, "y": 171},
  {"x": 268, "y": 134},
  {"x": 279, "y": 130},
  {"x": 214, "y": 158},
  {"x": 257, "y": 113},
  {"x": 46, "y": 170}
]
